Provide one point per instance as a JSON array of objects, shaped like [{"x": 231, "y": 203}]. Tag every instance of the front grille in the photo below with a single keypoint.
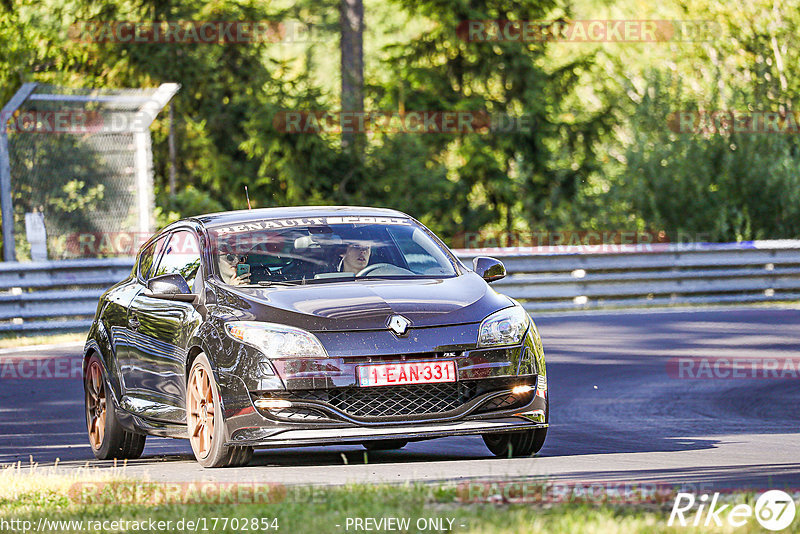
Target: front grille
[
  {"x": 399, "y": 401},
  {"x": 505, "y": 402},
  {"x": 392, "y": 401}
]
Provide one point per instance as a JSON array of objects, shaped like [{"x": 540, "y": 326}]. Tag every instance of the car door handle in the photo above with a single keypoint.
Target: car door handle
[{"x": 133, "y": 323}]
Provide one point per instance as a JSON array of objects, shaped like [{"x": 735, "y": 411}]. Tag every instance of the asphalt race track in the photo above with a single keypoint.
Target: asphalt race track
[{"x": 620, "y": 413}]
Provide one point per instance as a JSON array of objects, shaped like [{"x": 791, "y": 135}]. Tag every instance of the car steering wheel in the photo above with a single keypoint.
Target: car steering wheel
[{"x": 387, "y": 268}]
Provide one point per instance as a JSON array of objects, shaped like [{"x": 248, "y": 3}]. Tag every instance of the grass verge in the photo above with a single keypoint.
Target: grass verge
[
  {"x": 92, "y": 500},
  {"x": 11, "y": 342}
]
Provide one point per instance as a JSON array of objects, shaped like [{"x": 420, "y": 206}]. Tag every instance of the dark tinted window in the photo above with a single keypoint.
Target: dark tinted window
[
  {"x": 421, "y": 253},
  {"x": 182, "y": 256},
  {"x": 327, "y": 249},
  {"x": 147, "y": 257}
]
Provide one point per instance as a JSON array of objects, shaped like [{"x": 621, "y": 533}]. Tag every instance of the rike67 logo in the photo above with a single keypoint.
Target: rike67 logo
[{"x": 774, "y": 510}]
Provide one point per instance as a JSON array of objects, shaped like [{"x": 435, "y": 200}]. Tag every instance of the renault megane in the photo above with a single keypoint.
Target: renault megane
[{"x": 286, "y": 327}]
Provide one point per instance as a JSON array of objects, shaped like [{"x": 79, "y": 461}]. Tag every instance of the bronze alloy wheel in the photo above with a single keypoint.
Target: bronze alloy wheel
[
  {"x": 204, "y": 421},
  {"x": 201, "y": 411},
  {"x": 96, "y": 405},
  {"x": 108, "y": 436}
]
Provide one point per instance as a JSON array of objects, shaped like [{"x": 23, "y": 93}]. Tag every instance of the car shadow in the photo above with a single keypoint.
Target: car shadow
[{"x": 609, "y": 389}]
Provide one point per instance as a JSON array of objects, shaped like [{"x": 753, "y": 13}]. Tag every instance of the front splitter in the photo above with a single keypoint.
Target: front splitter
[{"x": 354, "y": 435}]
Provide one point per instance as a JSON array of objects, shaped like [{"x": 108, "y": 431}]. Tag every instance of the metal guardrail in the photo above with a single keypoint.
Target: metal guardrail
[
  {"x": 63, "y": 295},
  {"x": 55, "y": 296},
  {"x": 637, "y": 276}
]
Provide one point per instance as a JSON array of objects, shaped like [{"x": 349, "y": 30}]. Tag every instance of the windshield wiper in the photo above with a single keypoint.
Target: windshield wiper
[
  {"x": 385, "y": 277},
  {"x": 268, "y": 283}
]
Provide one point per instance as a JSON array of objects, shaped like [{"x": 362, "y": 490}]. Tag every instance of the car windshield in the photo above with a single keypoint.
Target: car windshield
[{"x": 326, "y": 249}]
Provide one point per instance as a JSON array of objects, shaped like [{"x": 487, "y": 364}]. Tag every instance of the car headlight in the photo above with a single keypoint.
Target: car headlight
[
  {"x": 505, "y": 327},
  {"x": 276, "y": 340}
]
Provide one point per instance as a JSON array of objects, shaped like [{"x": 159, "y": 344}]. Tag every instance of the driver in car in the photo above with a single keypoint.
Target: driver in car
[
  {"x": 355, "y": 258},
  {"x": 227, "y": 268}
]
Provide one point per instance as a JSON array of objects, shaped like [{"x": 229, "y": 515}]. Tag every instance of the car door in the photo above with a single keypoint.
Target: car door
[
  {"x": 116, "y": 312},
  {"x": 114, "y": 319},
  {"x": 160, "y": 330}
]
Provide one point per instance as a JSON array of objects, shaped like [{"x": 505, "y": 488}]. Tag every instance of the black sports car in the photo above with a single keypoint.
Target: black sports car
[{"x": 306, "y": 326}]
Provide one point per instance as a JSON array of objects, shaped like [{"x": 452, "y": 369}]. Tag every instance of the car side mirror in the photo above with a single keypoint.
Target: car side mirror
[
  {"x": 488, "y": 268},
  {"x": 170, "y": 287}
]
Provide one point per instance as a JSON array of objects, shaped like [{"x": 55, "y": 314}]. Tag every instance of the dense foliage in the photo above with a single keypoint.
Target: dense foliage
[{"x": 599, "y": 153}]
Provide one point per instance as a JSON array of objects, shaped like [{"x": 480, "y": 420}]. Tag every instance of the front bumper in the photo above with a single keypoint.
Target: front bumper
[
  {"x": 344, "y": 412},
  {"x": 248, "y": 426},
  {"x": 262, "y": 438}
]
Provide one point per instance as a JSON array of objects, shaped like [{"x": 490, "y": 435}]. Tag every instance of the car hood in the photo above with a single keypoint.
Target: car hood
[{"x": 367, "y": 304}]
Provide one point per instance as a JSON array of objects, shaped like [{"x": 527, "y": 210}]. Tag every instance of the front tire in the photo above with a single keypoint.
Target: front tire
[
  {"x": 204, "y": 420},
  {"x": 516, "y": 444},
  {"x": 106, "y": 436}
]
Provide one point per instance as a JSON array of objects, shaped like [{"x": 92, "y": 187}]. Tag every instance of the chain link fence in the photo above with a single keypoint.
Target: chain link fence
[{"x": 75, "y": 168}]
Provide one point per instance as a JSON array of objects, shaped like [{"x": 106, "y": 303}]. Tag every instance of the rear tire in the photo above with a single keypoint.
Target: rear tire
[
  {"x": 108, "y": 439},
  {"x": 516, "y": 444},
  {"x": 205, "y": 424},
  {"x": 385, "y": 444}
]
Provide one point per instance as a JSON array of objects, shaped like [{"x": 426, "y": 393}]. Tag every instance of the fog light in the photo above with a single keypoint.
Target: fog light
[
  {"x": 272, "y": 404},
  {"x": 519, "y": 390}
]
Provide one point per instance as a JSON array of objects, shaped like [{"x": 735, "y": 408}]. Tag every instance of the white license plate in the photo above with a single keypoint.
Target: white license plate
[{"x": 396, "y": 374}]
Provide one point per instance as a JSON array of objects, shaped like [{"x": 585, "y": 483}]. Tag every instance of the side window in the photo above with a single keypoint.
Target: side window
[
  {"x": 147, "y": 257},
  {"x": 182, "y": 256}
]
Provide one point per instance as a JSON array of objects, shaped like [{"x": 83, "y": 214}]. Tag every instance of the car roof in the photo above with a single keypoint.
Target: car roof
[{"x": 243, "y": 216}]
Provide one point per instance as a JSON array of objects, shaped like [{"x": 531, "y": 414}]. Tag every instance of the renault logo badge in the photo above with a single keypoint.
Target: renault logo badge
[{"x": 399, "y": 324}]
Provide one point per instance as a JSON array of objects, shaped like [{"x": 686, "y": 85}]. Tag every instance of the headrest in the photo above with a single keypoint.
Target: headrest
[{"x": 317, "y": 241}]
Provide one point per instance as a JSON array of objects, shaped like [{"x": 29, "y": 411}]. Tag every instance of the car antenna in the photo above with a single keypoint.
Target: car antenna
[{"x": 248, "y": 198}]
